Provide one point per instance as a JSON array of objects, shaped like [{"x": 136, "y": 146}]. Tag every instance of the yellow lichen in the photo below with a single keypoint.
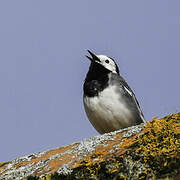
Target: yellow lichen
[
  {"x": 47, "y": 177},
  {"x": 2, "y": 165},
  {"x": 160, "y": 138}
]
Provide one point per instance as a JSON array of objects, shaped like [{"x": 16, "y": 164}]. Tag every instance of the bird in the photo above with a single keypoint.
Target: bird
[{"x": 109, "y": 102}]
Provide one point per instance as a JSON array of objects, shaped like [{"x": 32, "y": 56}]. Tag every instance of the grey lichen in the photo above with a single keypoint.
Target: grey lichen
[
  {"x": 65, "y": 170},
  {"x": 24, "y": 171},
  {"x": 88, "y": 145},
  {"x": 133, "y": 130},
  {"x": 18, "y": 173}
]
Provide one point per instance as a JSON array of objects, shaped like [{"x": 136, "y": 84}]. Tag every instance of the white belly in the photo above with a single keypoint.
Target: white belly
[{"x": 108, "y": 112}]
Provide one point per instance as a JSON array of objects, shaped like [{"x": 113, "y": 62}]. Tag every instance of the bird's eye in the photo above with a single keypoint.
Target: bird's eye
[{"x": 107, "y": 61}]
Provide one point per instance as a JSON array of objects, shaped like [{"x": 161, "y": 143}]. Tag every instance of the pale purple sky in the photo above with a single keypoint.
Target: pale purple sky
[{"x": 42, "y": 65}]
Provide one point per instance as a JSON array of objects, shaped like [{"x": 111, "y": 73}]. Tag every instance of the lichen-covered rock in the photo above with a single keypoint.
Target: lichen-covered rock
[{"x": 146, "y": 151}]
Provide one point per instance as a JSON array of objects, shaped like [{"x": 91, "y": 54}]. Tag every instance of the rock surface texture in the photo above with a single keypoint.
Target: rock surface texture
[{"x": 146, "y": 151}]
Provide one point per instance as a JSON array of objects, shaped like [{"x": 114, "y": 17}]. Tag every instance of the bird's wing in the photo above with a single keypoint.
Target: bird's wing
[{"x": 128, "y": 92}]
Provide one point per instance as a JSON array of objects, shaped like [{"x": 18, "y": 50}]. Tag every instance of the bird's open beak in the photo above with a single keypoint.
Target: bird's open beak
[{"x": 93, "y": 57}]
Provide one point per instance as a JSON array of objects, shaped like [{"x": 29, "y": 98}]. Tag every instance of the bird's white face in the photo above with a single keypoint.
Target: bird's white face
[{"x": 107, "y": 62}]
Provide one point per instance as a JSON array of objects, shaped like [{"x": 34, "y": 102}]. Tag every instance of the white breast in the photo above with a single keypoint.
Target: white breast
[{"x": 108, "y": 112}]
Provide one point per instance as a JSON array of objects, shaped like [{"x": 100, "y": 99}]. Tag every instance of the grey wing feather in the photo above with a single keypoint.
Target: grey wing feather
[
  {"x": 138, "y": 106},
  {"x": 129, "y": 92}
]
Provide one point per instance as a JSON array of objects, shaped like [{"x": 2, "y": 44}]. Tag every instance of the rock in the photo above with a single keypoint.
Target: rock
[{"x": 146, "y": 151}]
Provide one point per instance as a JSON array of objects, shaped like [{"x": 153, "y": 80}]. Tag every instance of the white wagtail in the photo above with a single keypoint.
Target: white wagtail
[{"x": 109, "y": 102}]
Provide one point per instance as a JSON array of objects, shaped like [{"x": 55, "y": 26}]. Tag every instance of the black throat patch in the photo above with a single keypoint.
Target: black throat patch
[{"x": 96, "y": 80}]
